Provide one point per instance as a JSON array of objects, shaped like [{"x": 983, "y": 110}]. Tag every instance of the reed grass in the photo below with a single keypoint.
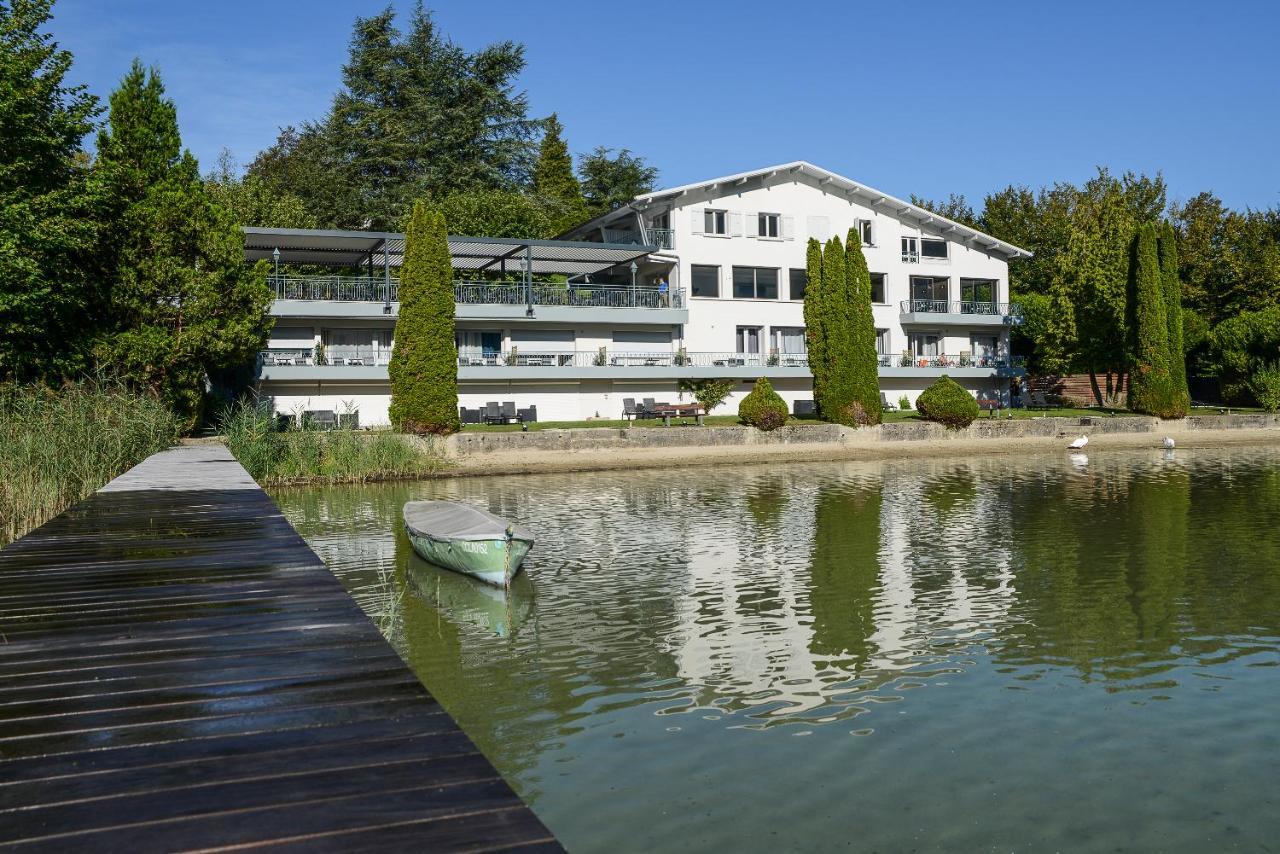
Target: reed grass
[
  {"x": 57, "y": 446},
  {"x": 314, "y": 455}
]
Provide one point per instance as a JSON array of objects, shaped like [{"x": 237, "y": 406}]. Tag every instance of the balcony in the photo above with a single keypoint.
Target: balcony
[
  {"x": 663, "y": 238},
  {"x": 966, "y": 313},
  {"x": 369, "y": 295}
]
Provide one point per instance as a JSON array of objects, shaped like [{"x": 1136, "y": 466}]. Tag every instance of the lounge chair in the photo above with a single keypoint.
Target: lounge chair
[
  {"x": 508, "y": 413},
  {"x": 528, "y": 416},
  {"x": 804, "y": 408},
  {"x": 646, "y": 409},
  {"x": 629, "y": 410},
  {"x": 492, "y": 412},
  {"x": 885, "y": 405}
]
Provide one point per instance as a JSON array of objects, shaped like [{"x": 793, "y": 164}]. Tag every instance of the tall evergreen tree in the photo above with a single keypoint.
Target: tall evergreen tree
[
  {"x": 45, "y": 298},
  {"x": 553, "y": 179},
  {"x": 611, "y": 180},
  {"x": 424, "y": 362},
  {"x": 836, "y": 330},
  {"x": 1150, "y": 383},
  {"x": 814, "y": 316},
  {"x": 861, "y": 363},
  {"x": 181, "y": 303},
  {"x": 1172, "y": 284},
  {"x": 417, "y": 115}
]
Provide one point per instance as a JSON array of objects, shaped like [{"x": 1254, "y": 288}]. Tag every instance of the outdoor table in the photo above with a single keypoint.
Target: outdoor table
[{"x": 677, "y": 410}]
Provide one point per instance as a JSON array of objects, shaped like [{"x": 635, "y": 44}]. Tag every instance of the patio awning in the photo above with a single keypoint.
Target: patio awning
[{"x": 473, "y": 254}]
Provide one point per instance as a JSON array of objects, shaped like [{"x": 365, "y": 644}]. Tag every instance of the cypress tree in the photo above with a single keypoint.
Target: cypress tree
[
  {"x": 835, "y": 331},
  {"x": 424, "y": 362},
  {"x": 815, "y": 335},
  {"x": 1173, "y": 315},
  {"x": 553, "y": 178},
  {"x": 861, "y": 363},
  {"x": 1150, "y": 384}
]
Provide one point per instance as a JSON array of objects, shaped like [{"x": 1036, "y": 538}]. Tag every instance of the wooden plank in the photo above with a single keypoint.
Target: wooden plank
[{"x": 181, "y": 671}]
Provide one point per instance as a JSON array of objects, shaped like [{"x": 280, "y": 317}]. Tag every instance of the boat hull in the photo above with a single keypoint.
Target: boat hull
[{"x": 494, "y": 561}]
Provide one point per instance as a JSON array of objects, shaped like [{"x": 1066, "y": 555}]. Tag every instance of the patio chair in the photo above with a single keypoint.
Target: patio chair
[
  {"x": 1038, "y": 401},
  {"x": 492, "y": 412},
  {"x": 804, "y": 408},
  {"x": 349, "y": 420},
  {"x": 885, "y": 405},
  {"x": 647, "y": 408},
  {"x": 508, "y": 413},
  {"x": 528, "y": 416},
  {"x": 629, "y": 410}
]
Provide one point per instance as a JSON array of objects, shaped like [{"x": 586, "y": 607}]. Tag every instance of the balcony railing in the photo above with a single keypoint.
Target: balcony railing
[
  {"x": 964, "y": 360},
  {"x": 910, "y": 257},
  {"x": 663, "y": 238},
  {"x": 933, "y": 306},
  {"x": 336, "y": 356},
  {"x": 375, "y": 289}
]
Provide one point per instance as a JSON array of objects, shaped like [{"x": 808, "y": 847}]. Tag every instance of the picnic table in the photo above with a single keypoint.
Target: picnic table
[{"x": 667, "y": 411}]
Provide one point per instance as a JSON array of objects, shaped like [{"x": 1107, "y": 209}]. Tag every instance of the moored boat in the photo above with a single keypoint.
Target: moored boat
[{"x": 467, "y": 539}]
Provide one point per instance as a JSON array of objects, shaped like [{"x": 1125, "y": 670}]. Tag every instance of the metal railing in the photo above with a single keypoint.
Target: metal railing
[
  {"x": 337, "y": 356},
  {"x": 964, "y": 360},
  {"x": 663, "y": 238},
  {"x": 910, "y": 257},
  {"x": 374, "y": 289},
  {"x": 934, "y": 306}
]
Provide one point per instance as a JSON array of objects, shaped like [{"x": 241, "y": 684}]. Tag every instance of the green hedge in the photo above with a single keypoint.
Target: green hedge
[
  {"x": 947, "y": 402},
  {"x": 763, "y": 408}
]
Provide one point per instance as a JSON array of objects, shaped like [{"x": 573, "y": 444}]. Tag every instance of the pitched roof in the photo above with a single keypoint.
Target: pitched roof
[{"x": 870, "y": 196}]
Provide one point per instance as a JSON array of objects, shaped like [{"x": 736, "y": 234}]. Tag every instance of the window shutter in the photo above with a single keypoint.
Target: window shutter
[
  {"x": 788, "y": 228},
  {"x": 751, "y": 225},
  {"x": 735, "y": 219},
  {"x": 697, "y": 216},
  {"x": 819, "y": 227}
]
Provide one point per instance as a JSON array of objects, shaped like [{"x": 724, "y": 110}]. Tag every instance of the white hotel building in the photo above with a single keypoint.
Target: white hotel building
[{"x": 700, "y": 281}]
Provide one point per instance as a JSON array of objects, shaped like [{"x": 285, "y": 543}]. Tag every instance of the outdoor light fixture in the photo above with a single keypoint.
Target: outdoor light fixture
[
  {"x": 634, "y": 268},
  {"x": 275, "y": 256}
]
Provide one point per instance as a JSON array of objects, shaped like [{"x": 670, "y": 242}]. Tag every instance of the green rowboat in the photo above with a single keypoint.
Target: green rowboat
[{"x": 466, "y": 539}]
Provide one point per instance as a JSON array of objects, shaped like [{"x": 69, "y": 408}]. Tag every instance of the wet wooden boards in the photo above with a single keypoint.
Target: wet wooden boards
[{"x": 178, "y": 671}]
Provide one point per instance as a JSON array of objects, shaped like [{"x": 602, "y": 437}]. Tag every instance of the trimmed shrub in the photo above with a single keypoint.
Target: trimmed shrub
[
  {"x": 904, "y": 403},
  {"x": 947, "y": 402},
  {"x": 1265, "y": 385},
  {"x": 1151, "y": 386},
  {"x": 763, "y": 408},
  {"x": 424, "y": 363},
  {"x": 1172, "y": 285}
]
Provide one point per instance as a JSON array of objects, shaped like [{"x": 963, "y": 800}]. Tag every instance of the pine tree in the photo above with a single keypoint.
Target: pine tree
[
  {"x": 861, "y": 363},
  {"x": 424, "y": 362},
  {"x": 814, "y": 308},
  {"x": 45, "y": 296},
  {"x": 553, "y": 178},
  {"x": 1150, "y": 383},
  {"x": 1173, "y": 315},
  {"x": 181, "y": 304}
]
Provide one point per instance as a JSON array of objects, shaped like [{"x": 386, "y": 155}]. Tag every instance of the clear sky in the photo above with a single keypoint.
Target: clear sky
[{"x": 926, "y": 98}]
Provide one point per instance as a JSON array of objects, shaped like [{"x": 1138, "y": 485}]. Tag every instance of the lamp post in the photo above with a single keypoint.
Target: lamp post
[
  {"x": 275, "y": 256},
  {"x": 634, "y": 268}
]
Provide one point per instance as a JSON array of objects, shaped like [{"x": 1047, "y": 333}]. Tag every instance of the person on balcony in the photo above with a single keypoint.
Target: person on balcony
[{"x": 663, "y": 290}]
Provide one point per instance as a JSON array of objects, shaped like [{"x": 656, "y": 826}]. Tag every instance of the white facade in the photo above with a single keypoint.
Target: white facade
[{"x": 732, "y": 256}]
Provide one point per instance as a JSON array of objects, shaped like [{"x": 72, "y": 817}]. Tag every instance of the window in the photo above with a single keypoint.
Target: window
[
  {"x": 924, "y": 345},
  {"x": 799, "y": 280},
  {"x": 788, "y": 339},
  {"x": 715, "y": 222},
  {"x": 749, "y": 339},
  {"x": 978, "y": 296},
  {"x": 928, "y": 293},
  {"x": 868, "y": 235},
  {"x": 933, "y": 249},
  {"x": 755, "y": 283},
  {"x": 985, "y": 349},
  {"x": 910, "y": 250},
  {"x": 882, "y": 342},
  {"x": 478, "y": 346},
  {"x": 768, "y": 225},
  {"x": 706, "y": 280},
  {"x": 877, "y": 287}
]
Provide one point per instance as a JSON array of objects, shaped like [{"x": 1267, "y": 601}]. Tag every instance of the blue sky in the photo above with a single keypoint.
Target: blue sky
[{"x": 929, "y": 98}]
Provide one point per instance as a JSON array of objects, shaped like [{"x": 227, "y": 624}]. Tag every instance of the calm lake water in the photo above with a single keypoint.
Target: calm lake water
[{"x": 1015, "y": 654}]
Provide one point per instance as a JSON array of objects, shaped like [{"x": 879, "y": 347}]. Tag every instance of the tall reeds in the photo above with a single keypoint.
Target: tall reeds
[
  {"x": 314, "y": 455},
  {"x": 58, "y": 446}
]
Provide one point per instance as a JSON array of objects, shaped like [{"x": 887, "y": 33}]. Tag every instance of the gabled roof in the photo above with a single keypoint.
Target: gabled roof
[{"x": 869, "y": 196}]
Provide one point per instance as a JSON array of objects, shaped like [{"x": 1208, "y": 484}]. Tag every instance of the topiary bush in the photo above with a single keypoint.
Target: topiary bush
[
  {"x": 947, "y": 402},
  {"x": 763, "y": 408}
]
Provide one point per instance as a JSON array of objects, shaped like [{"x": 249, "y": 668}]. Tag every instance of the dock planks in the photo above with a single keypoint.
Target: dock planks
[{"x": 179, "y": 671}]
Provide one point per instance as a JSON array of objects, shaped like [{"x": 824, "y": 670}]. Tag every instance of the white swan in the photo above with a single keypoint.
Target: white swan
[
  {"x": 1168, "y": 443},
  {"x": 1079, "y": 443}
]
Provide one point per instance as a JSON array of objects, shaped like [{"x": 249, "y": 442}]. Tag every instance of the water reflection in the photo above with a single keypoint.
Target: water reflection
[{"x": 689, "y": 624}]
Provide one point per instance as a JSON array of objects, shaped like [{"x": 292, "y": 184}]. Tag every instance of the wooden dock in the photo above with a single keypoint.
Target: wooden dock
[{"x": 179, "y": 671}]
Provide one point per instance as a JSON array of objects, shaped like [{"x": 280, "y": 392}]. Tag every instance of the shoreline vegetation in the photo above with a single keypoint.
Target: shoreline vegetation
[
  {"x": 59, "y": 446},
  {"x": 314, "y": 456}
]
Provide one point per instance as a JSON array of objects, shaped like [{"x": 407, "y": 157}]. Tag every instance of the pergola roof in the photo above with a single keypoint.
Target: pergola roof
[{"x": 356, "y": 248}]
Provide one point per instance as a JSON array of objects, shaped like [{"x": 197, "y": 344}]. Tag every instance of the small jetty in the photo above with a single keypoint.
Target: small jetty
[{"x": 179, "y": 671}]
